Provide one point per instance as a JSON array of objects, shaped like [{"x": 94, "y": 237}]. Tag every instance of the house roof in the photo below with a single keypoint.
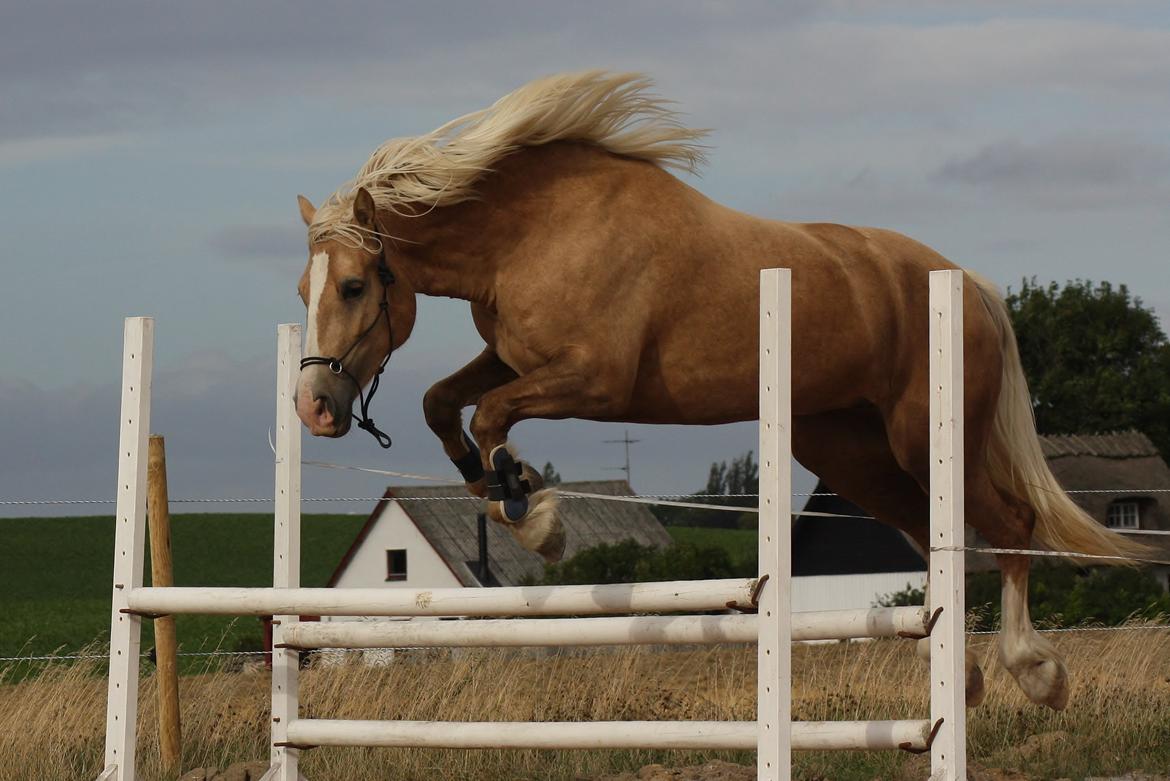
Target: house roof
[
  {"x": 1120, "y": 444},
  {"x": 846, "y": 546},
  {"x": 1098, "y": 468},
  {"x": 447, "y": 519},
  {"x": 1111, "y": 466}
]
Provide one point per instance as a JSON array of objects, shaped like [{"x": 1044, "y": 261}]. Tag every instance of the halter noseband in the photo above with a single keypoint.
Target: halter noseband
[{"x": 337, "y": 365}]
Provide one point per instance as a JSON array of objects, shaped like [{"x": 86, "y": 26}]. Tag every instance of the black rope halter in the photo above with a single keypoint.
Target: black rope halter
[{"x": 337, "y": 365}]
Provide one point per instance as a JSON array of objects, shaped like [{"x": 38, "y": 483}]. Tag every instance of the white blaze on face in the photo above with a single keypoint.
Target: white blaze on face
[{"x": 318, "y": 273}]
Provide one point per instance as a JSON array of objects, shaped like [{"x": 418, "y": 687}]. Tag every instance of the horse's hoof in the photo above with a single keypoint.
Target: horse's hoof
[
  {"x": 511, "y": 510},
  {"x": 1045, "y": 682},
  {"x": 534, "y": 479},
  {"x": 1037, "y": 668},
  {"x": 540, "y": 531}
]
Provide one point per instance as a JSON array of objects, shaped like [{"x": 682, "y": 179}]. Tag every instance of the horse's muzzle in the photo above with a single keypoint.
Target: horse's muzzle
[{"x": 323, "y": 414}]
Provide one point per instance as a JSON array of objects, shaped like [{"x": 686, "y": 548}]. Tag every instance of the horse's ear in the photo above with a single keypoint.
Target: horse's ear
[
  {"x": 363, "y": 208},
  {"x": 308, "y": 211}
]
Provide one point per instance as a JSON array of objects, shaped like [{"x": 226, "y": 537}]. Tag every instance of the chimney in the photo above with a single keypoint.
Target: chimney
[{"x": 481, "y": 523}]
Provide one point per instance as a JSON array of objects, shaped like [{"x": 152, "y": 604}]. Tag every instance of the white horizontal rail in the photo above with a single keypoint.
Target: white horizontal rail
[
  {"x": 518, "y": 632},
  {"x": 680, "y": 596},
  {"x": 864, "y": 622},
  {"x": 806, "y": 735},
  {"x": 911, "y": 734},
  {"x": 621, "y": 630}
]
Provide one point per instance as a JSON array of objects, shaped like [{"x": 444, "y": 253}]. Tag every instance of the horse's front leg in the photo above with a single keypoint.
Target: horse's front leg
[
  {"x": 568, "y": 387},
  {"x": 443, "y": 407}
]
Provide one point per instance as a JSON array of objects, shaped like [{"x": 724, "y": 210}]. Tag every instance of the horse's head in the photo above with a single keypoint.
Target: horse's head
[{"x": 359, "y": 311}]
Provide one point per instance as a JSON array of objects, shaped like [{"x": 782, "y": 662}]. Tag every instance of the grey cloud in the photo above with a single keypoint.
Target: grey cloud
[
  {"x": 259, "y": 242},
  {"x": 112, "y": 65},
  {"x": 778, "y": 65},
  {"x": 1065, "y": 172}
]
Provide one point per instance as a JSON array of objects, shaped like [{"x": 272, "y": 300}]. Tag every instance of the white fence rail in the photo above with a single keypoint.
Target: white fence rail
[
  {"x": 622, "y": 630},
  {"x": 774, "y": 627},
  {"x": 680, "y": 596}
]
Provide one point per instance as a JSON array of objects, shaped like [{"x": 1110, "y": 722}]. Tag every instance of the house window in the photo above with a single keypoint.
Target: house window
[
  {"x": 396, "y": 564},
  {"x": 1123, "y": 514}
]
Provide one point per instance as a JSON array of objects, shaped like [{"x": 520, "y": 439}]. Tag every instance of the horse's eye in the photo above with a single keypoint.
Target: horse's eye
[{"x": 352, "y": 288}]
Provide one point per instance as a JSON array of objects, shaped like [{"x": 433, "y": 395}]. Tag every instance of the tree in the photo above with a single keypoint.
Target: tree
[
  {"x": 550, "y": 474},
  {"x": 742, "y": 476},
  {"x": 1096, "y": 359}
]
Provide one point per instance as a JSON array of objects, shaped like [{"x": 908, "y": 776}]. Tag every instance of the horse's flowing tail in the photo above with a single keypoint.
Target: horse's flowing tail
[{"x": 1017, "y": 465}]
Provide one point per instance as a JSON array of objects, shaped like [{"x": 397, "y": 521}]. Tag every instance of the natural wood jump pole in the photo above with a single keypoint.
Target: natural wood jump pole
[{"x": 162, "y": 576}]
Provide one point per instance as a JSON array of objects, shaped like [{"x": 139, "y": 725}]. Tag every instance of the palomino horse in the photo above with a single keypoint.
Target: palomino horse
[{"x": 607, "y": 289}]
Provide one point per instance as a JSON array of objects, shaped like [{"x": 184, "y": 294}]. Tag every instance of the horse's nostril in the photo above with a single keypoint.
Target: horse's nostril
[{"x": 322, "y": 406}]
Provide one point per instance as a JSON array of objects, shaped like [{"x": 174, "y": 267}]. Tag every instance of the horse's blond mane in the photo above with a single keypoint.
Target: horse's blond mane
[{"x": 618, "y": 112}]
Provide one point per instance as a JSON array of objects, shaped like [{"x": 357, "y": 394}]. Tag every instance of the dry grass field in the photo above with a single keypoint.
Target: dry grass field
[{"x": 52, "y": 723}]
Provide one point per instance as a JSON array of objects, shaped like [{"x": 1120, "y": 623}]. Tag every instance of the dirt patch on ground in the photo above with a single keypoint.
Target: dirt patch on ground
[
  {"x": 726, "y": 771},
  {"x": 716, "y": 770}
]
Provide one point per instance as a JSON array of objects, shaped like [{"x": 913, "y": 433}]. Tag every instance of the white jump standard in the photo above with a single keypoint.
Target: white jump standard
[{"x": 768, "y": 621}]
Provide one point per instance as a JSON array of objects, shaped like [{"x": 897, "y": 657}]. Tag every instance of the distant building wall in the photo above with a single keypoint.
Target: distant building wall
[
  {"x": 845, "y": 592},
  {"x": 393, "y": 530}
]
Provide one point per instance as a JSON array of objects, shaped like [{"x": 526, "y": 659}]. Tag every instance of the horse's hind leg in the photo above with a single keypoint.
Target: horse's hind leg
[
  {"x": 1002, "y": 521},
  {"x": 1032, "y": 660},
  {"x": 848, "y": 449}
]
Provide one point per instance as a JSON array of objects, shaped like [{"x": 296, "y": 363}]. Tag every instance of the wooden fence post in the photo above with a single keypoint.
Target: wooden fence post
[{"x": 162, "y": 575}]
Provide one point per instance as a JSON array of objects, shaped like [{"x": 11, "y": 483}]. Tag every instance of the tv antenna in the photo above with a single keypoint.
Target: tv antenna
[{"x": 625, "y": 440}]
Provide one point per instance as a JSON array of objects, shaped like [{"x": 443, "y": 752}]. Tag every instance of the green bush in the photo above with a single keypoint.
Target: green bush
[
  {"x": 629, "y": 562},
  {"x": 907, "y": 597},
  {"x": 1060, "y": 595}
]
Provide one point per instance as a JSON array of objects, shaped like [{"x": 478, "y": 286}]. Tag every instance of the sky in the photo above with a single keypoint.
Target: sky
[{"x": 150, "y": 155}]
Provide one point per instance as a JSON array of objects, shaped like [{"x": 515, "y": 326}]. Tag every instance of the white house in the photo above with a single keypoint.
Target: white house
[{"x": 429, "y": 537}]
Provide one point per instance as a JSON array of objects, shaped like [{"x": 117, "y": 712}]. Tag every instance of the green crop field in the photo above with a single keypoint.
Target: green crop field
[
  {"x": 740, "y": 544},
  {"x": 57, "y": 572},
  {"x": 57, "y": 575}
]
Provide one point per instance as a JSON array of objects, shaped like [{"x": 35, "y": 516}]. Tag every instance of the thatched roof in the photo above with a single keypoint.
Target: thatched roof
[
  {"x": 1100, "y": 469},
  {"x": 1121, "y": 444}
]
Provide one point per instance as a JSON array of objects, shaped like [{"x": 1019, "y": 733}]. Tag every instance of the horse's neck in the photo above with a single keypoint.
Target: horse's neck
[
  {"x": 457, "y": 251},
  {"x": 438, "y": 254}
]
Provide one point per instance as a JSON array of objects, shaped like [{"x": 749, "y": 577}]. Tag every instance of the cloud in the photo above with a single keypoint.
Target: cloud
[
  {"x": 1065, "y": 172},
  {"x": 260, "y": 242},
  {"x": 125, "y": 65},
  {"x": 894, "y": 113},
  {"x": 33, "y": 150}
]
